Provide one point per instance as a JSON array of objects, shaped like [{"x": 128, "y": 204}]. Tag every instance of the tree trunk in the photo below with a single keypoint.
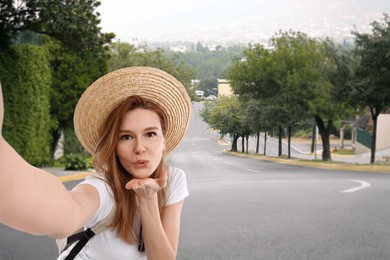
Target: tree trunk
[
  {"x": 242, "y": 144},
  {"x": 234, "y": 143},
  {"x": 313, "y": 138},
  {"x": 289, "y": 130},
  {"x": 247, "y": 143},
  {"x": 374, "y": 114},
  {"x": 324, "y": 132},
  {"x": 280, "y": 135},
  {"x": 258, "y": 142},
  {"x": 56, "y": 135},
  {"x": 265, "y": 142}
]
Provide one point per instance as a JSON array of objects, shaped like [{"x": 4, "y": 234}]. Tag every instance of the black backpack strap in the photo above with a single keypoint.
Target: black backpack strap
[
  {"x": 141, "y": 244},
  {"x": 75, "y": 237},
  {"x": 86, "y": 236}
]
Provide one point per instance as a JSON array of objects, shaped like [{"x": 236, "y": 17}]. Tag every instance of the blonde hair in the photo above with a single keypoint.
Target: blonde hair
[{"x": 106, "y": 162}]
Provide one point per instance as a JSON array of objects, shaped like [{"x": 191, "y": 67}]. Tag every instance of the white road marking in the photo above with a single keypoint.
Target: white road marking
[
  {"x": 252, "y": 170},
  {"x": 227, "y": 163},
  {"x": 363, "y": 185}
]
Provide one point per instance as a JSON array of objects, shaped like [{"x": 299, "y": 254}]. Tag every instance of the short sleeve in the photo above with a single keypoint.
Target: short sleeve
[
  {"x": 105, "y": 195},
  {"x": 177, "y": 185}
]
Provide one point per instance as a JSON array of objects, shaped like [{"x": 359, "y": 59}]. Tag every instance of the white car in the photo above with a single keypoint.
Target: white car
[{"x": 211, "y": 97}]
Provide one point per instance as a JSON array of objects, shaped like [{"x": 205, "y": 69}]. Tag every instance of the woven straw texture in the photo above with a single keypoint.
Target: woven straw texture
[{"x": 109, "y": 91}]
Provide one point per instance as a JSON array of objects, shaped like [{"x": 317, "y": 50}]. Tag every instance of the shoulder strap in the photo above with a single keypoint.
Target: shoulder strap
[
  {"x": 84, "y": 236},
  {"x": 104, "y": 223}
]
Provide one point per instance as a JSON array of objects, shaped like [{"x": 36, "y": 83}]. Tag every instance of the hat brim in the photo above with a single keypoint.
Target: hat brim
[{"x": 106, "y": 93}]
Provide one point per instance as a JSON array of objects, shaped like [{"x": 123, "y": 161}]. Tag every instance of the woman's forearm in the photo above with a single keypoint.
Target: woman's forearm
[
  {"x": 157, "y": 243},
  {"x": 32, "y": 200}
]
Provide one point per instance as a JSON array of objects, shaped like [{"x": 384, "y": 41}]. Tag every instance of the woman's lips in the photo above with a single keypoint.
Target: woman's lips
[{"x": 141, "y": 163}]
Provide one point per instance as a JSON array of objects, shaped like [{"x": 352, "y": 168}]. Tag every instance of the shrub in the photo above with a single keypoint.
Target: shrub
[
  {"x": 76, "y": 162},
  {"x": 26, "y": 79}
]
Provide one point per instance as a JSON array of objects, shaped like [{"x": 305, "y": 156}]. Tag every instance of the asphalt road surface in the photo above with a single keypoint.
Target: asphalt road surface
[{"x": 242, "y": 208}]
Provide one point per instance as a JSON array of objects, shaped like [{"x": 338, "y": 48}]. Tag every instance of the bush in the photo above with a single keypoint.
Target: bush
[
  {"x": 71, "y": 143},
  {"x": 76, "y": 162},
  {"x": 26, "y": 79}
]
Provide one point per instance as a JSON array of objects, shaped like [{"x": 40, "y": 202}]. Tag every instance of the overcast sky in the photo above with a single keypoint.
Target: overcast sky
[{"x": 153, "y": 20}]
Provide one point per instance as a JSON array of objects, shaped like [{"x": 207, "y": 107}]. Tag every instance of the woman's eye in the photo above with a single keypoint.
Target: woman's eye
[
  {"x": 151, "y": 134},
  {"x": 125, "y": 137}
]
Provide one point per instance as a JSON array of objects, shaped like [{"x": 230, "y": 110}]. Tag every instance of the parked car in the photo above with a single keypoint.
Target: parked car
[{"x": 211, "y": 97}]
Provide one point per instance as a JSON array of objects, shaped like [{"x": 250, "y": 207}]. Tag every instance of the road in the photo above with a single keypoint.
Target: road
[{"x": 242, "y": 208}]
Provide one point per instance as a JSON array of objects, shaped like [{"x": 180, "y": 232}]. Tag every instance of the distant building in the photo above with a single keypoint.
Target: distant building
[
  {"x": 180, "y": 48},
  {"x": 195, "y": 83},
  {"x": 199, "y": 93},
  {"x": 224, "y": 88}
]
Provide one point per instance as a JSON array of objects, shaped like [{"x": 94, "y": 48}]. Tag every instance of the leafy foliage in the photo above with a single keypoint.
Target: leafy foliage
[
  {"x": 26, "y": 80},
  {"x": 225, "y": 114},
  {"x": 299, "y": 78},
  {"x": 74, "y": 23},
  {"x": 208, "y": 65},
  {"x": 372, "y": 83},
  {"x": 76, "y": 162},
  {"x": 78, "y": 49},
  {"x": 125, "y": 55}
]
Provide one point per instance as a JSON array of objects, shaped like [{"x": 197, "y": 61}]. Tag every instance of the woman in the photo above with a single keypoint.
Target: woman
[{"x": 129, "y": 120}]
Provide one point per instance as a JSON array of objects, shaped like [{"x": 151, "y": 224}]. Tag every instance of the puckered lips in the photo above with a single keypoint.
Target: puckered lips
[{"x": 141, "y": 164}]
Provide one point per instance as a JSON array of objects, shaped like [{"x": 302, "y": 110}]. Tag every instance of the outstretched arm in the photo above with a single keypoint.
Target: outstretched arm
[{"x": 34, "y": 201}]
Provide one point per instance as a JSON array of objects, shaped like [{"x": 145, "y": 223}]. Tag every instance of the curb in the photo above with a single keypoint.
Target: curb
[
  {"x": 329, "y": 166},
  {"x": 74, "y": 177}
]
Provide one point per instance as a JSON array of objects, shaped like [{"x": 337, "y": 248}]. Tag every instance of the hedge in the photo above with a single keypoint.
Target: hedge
[{"x": 26, "y": 81}]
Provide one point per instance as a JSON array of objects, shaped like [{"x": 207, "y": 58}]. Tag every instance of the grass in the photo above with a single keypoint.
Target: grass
[
  {"x": 343, "y": 152},
  {"x": 59, "y": 163}
]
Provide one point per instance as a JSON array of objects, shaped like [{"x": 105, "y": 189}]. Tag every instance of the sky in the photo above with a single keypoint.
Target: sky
[{"x": 243, "y": 20}]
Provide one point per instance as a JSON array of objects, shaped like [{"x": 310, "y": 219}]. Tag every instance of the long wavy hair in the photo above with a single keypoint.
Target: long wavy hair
[{"x": 106, "y": 162}]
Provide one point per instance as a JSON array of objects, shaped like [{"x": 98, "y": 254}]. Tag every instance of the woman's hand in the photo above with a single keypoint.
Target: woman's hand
[
  {"x": 1, "y": 110},
  {"x": 147, "y": 188}
]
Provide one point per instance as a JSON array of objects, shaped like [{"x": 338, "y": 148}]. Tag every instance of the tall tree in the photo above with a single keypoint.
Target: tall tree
[
  {"x": 310, "y": 84},
  {"x": 70, "y": 29},
  {"x": 265, "y": 75},
  {"x": 126, "y": 54},
  {"x": 224, "y": 114},
  {"x": 372, "y": 84},
  {"x": 293, "y": 80}
]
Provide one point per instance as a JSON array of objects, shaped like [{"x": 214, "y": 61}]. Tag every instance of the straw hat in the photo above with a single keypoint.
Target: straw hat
[{"x": 109, "y": 91}]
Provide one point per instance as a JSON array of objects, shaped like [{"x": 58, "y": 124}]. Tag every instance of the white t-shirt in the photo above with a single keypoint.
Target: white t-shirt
[{"x": 107, "y": 245}]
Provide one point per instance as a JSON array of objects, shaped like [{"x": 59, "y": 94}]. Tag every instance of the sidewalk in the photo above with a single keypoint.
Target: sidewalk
[{"x": 300, "y": 155}]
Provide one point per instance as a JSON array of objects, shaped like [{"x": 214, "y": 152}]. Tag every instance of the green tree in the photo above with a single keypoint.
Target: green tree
[
  {"x": 224, "y": 115},
  {"x": 294, "y": 81},
  {"x": 70, "y": 30},
  {"x": 125, "y": 55},
  {"x": 264, "y": 75},
  {"x": 253, "y": 118},
  {"x": 72, "y": 74},
  {"x": 209, "y": 65},
  {"x": 74, "y": 23},
  {"x": 372, "y": 84},
  {"x": 310, "y": 84}
]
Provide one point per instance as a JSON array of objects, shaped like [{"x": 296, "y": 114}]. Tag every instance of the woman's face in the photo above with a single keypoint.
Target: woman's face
[{"x": 141, "y": 142}]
